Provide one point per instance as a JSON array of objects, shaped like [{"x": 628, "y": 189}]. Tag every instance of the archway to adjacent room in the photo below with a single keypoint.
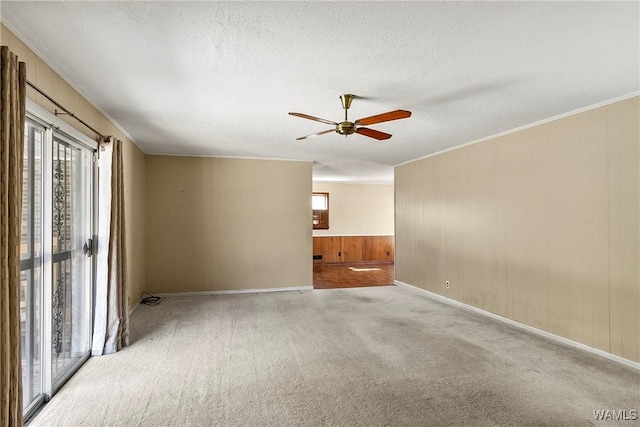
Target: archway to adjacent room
[{"x": 353, "y": 235}]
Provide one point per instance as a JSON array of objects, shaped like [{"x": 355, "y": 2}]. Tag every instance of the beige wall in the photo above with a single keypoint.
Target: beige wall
[
  {"x": 40, "y": 74},
  {"x": 540, "y": 226},
  {"x": 135, "y": 212},
  {"x": 227, "y": 224},
  {"x": 358, "y": 209}
]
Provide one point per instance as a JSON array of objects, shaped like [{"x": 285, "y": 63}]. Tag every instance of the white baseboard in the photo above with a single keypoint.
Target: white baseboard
[
  {"x": 134, "y": 308},
  {"x": 523, "y": 326},
  {"x": 236, "y": 291}
]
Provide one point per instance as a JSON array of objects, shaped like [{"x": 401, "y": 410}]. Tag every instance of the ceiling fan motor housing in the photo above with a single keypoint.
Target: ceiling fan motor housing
[{"x": 346, "y": 128}]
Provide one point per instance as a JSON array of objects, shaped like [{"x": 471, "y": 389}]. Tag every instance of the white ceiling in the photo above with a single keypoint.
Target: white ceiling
[{"x": 218, "y": 78}]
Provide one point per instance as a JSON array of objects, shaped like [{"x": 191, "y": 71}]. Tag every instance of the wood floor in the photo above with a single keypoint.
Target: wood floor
[{"x": 345, "y": 275}]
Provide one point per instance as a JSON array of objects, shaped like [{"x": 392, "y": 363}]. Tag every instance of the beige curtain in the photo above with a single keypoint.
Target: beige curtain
[
  {"x": 118, "y": 310},
  {"x": 13, "y": 100},
  {"x": 111, "y": 326}
]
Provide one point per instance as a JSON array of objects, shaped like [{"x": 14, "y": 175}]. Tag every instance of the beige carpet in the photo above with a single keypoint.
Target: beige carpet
[{"x": 350, "y": 357}]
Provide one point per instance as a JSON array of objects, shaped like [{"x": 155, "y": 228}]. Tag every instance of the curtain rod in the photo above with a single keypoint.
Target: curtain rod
[{"x": 67, "y": 112}]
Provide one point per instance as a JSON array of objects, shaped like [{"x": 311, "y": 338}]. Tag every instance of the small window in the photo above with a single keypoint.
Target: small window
[{"x": 320, "y": 206}]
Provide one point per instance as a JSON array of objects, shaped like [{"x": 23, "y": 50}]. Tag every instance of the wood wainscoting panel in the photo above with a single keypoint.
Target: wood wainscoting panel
[
  {"x": 377, "y": 248},
  {"x": 329, "y": 247},
  {"x": 353, "y": 248}
]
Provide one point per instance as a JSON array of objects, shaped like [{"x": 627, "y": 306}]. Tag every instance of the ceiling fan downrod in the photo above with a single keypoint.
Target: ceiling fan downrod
[{"x": 346, "y": 128}]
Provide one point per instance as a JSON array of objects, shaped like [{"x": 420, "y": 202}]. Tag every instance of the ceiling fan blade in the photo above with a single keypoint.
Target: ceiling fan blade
[
  {"x": 384, "y": 117},
  {"x": 306, "y": 116},
  {"x": 373, "y": 133},
  {"x": 315, "y": 134}
]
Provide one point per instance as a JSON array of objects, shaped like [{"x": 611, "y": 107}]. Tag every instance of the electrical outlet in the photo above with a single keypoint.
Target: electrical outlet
[{"x": 446, "y": 284}]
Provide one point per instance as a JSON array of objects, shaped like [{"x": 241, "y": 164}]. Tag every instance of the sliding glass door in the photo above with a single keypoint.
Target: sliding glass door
[{"x": 56, "y": 265}]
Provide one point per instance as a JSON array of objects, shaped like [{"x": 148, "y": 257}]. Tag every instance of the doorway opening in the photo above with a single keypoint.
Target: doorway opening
[{"x": 356, "y": 247}]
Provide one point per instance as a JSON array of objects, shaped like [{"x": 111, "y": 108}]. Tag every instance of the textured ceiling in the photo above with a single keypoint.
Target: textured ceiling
[{"x": 218, "y": 78}]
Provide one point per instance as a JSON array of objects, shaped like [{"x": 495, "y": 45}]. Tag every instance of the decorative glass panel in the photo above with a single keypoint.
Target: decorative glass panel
[{"x": 71, "y": 278}]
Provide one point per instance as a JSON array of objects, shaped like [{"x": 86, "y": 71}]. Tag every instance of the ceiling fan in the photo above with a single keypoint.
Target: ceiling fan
[{"x": 347, "y": 128}]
